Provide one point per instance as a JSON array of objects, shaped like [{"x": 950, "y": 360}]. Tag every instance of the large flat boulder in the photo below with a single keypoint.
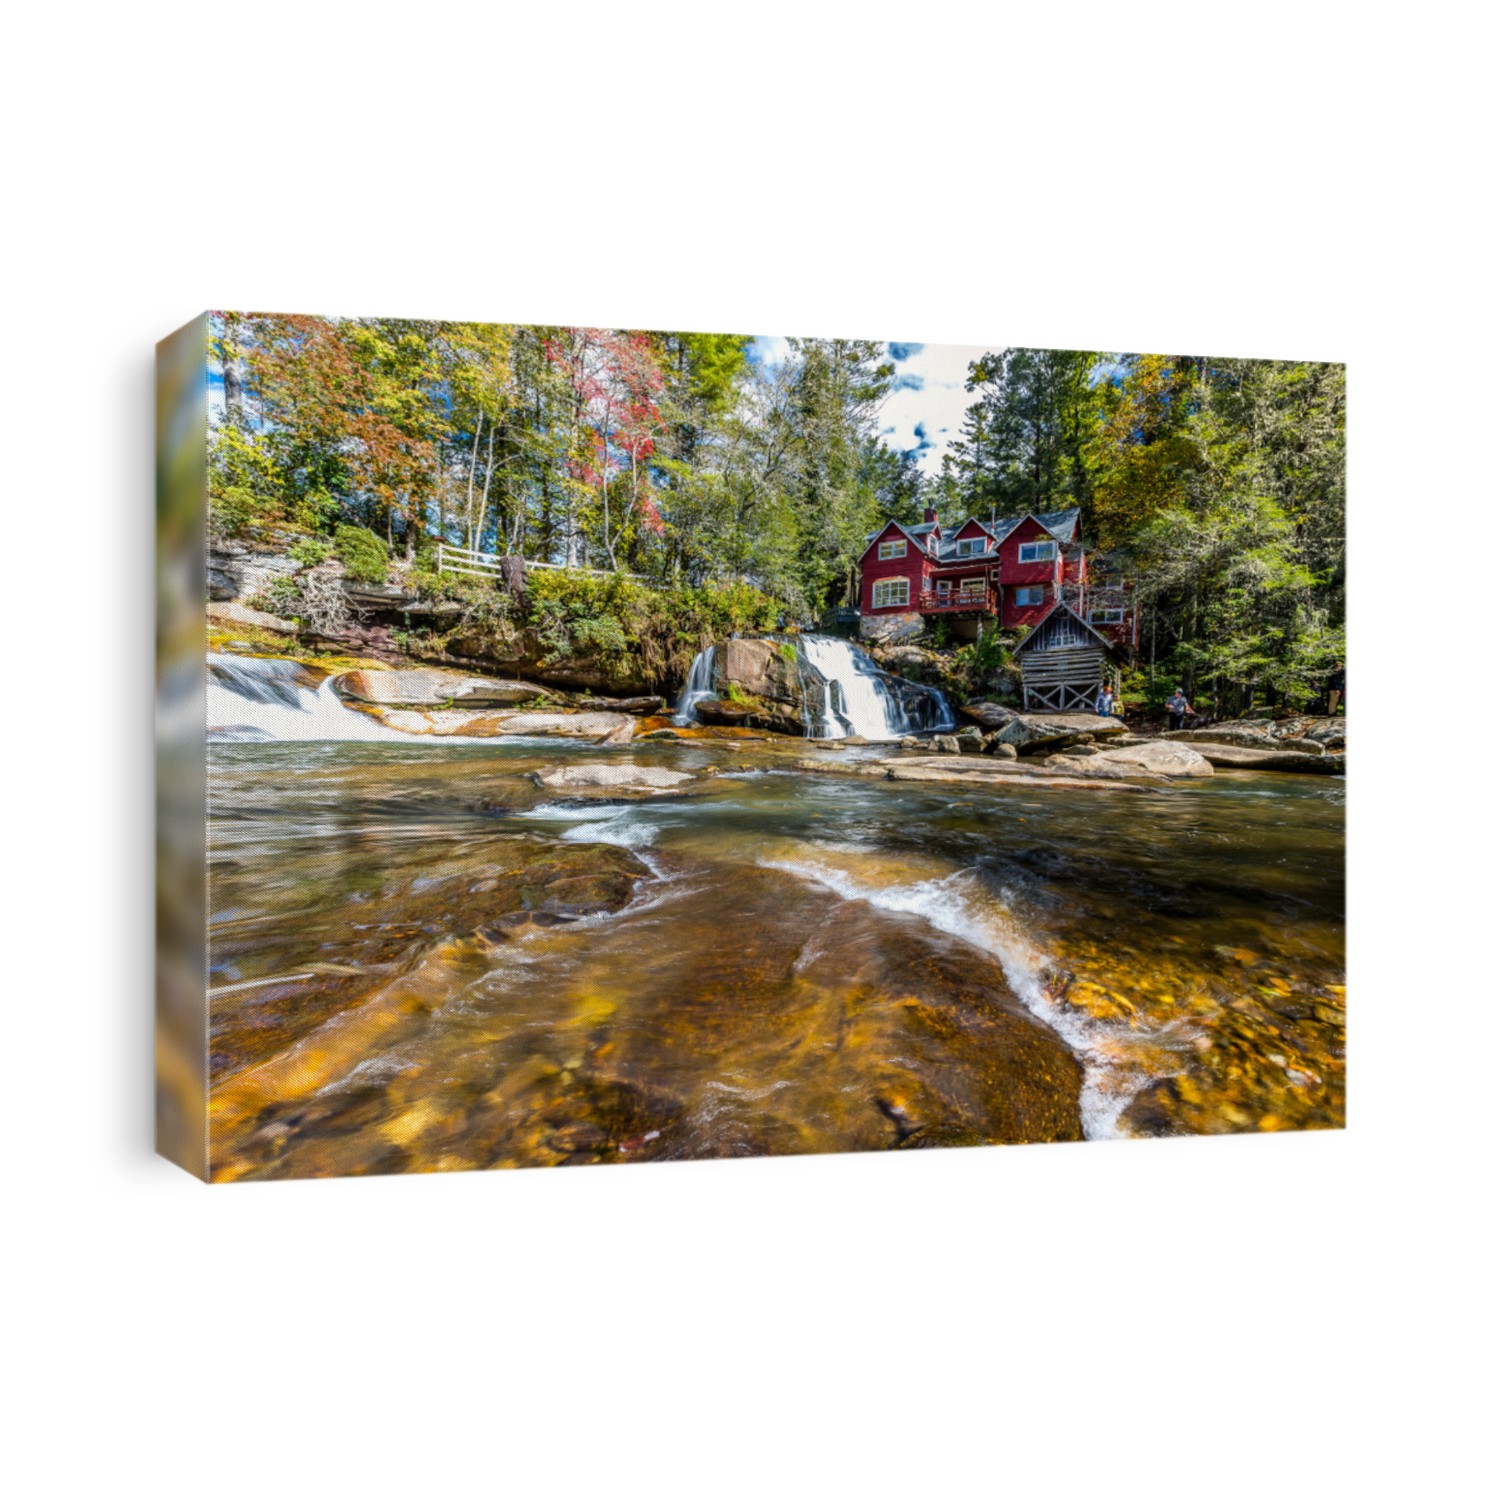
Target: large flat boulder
[
  {"x": 1245, "y": 758},
  {"x": 1031, "y": 732},
  {"x": 606, "y": 729},
  {"x": 1055, "y": 772},
  {"x": 1225, "y": 734},
  {"x": 1326, "y": 731},
  {"x": 978, "y": 773},
  {"x": 425, "y": 687},
  {"x": 642, "y": 707},
  {"x": 988, "y": 715},
  {"x": 1156, "y": 757}
]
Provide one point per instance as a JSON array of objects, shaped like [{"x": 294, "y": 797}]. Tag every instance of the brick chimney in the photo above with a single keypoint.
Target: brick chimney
[{"x": 929, "y": 516}]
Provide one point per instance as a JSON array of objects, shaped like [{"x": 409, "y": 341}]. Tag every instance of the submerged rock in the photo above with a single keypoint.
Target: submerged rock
[
  {"x": 591, "y": 777},
  {"x": 1058, "y": 772}
]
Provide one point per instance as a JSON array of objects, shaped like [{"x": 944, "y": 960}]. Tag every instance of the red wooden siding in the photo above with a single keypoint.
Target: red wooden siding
[
  {"x": 913, "y": 567},
  {"x": 1015, "y": 574}
]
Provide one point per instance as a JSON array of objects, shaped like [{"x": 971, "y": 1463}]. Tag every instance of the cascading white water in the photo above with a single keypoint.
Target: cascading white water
[
  {"x": 857, "y": 697},
  {"x": 700, "y": 685},
  {"x": 263, "y": 698},
  {"x": 844, "y": 693}
]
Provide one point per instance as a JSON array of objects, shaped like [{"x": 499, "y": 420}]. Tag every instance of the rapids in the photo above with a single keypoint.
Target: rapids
[
  {"x": 421, "y": 960},
  {"x": 253, "y": 698}
]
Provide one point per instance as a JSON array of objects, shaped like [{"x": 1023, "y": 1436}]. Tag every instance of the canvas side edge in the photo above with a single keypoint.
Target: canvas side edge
[{"x": 181, "y": 749}]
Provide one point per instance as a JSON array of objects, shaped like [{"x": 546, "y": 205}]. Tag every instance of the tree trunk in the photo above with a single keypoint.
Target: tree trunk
[
  {"x": 484, "y": 499},
  {"x": 234, "y": 394},
  {"x": 469, "y": 494}
]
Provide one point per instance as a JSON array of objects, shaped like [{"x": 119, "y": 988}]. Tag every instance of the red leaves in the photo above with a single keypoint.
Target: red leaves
[{"x": 615, "y": 381}]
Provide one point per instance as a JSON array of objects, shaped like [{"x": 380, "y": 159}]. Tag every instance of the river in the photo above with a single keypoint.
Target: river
[{"x": 423, "y": 960}]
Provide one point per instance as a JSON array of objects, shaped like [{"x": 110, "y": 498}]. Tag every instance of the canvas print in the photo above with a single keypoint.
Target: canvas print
[{"x": 594, "y": 745}]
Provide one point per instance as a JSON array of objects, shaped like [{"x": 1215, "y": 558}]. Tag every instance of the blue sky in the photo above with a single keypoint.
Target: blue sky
[{"x": 926, "y": 410}]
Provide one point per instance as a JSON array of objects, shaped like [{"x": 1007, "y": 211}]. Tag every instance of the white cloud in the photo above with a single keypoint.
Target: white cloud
[
  {"x": 939, "y": 406},
  {"x": 771, "y": 349}
]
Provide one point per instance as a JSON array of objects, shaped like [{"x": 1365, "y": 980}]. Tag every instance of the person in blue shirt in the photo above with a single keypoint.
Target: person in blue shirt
[
  {"x": 1104, "y": 704},
  {"x": 1178, "y": 708}
]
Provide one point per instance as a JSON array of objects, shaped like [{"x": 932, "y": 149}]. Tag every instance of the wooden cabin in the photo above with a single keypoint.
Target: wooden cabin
[
  {"x": 1010, "y": 571},
  {"x": 1063, "y": 662}
]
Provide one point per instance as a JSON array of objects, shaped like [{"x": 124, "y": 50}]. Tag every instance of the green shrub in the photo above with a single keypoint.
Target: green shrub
[
  {"x": 365, "y": 556},
  {"x": 281, "y": 596},
  {"x": 310, "y": 550},
  {"x": 231, "y": 510}
]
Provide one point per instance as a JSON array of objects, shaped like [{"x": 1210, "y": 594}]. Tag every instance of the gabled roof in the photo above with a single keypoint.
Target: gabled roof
[
  {"x": 1061, "y": 523},
  {"x": 916, "y": 535},
  {"x": 1035, "y": 632}
]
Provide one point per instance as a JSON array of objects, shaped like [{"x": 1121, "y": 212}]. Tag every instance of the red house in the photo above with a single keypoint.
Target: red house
[{"x": 1011, "y": 571}]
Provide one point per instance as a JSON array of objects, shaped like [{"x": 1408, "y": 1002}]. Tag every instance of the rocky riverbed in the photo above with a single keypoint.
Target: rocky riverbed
[{"x": 431, "y": 954}]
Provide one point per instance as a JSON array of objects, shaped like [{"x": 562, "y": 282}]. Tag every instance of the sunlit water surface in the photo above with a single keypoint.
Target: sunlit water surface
[{"x": 422, "y": 960}]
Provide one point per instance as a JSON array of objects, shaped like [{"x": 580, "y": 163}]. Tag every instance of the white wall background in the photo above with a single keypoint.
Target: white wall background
[{"x": 1297, "y": 1316}]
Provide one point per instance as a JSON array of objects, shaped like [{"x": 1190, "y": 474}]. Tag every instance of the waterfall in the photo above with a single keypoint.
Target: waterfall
[
  {"x": 858, "y": 698},
  {"x": 266, "y": 698},
  {"x": 700, "y": 685},
  {"x": 843, "y": 693}
]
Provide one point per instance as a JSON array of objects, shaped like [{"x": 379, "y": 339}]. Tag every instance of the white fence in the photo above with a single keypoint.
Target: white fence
[{"x": 452, "y": 559}]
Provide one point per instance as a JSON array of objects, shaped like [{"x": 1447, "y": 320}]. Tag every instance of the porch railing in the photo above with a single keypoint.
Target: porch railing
[{"x": 931, "y": 602}]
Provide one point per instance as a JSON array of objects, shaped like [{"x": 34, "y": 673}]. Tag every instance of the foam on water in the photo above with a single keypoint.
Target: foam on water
[
  {"x": 958, "y": 905},
  {"x": 844, "y": 693},
  {"x": 264, "y": 698},
  {"x": 854, "y": 695}
]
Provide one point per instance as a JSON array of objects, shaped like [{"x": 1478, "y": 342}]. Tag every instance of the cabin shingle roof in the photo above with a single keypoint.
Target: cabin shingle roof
[{"x": 1061, "y": 523}]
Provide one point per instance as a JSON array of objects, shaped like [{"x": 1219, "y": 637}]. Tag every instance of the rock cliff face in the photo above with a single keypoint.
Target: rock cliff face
[
  {"x": 238, "y": 570},
  {"x": 763, "y": 669}
]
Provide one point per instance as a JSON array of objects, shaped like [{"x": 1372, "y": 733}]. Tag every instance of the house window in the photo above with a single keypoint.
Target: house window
[
  {"x": 1106, "y": 617},
  {"x": 1034, "y": 552},
  {"x": 889, "y": 550},
  {"x": 971, "y": 588},
  {"x": 970, "y": 546},
  {"x": 891, "y": 592},
  {"x": 943, "y": 585},
  {"x": 1031, "y": 595}
]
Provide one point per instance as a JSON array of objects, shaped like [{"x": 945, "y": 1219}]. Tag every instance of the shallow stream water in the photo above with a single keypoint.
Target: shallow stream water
[{"x": 421, "y": 959}]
